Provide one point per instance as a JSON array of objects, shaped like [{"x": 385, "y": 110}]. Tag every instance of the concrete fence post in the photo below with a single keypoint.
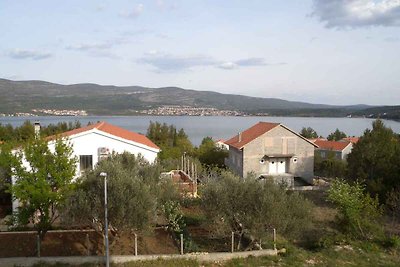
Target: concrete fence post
[
  {"x": 87, "y": 241},
  {"x": 38, "y": 245},
  {"x": 233, "y": 242},
  {"x": 136, "y": 246},
  {"x": 181, "y": 244},
  {"x": 274, "y": 239}
]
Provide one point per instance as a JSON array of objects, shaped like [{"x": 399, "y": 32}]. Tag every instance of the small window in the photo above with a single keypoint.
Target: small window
[
  {"x": 85, "y": 162},
  {"x": 262, "y": 161},
  {"x": 273, "y": 162},
  {"x": 281, "y": 161},
  {"x": 294, "y": 160}
]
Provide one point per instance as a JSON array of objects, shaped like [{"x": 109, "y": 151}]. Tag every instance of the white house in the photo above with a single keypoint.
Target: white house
[
  {"x": 337, "y": 149},
  {"x": 94, "y": 142}
]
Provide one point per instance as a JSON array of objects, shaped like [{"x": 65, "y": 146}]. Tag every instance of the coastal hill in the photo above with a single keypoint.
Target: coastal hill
[{"x": 23, "y": 96}]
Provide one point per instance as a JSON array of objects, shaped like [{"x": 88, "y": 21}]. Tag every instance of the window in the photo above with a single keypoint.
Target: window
[
  {"x": 294, "y": 160},
  {"x": 85, "y": 162}
]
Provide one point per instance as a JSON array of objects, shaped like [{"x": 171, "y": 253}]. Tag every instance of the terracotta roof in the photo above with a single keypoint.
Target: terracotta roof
[
  {"x": 113, "y": 130},
  {"x": 250, "y": 134},
  {"x": 353, "y": 139},
  {"x": 317, "y": 139},
  {"x": 332, "y": 145}
]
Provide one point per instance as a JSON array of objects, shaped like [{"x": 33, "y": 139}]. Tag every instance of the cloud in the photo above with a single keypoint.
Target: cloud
[
  {"x": 100, "y": 7},
  {"x": 28, "y": 54},
  {"x": 228, "y": 65},
  {"x": 253, "y": 61},
  {"x": 167, "y": 62},
  {"x": 103, "y": 54},
  {"x": 247, "y": 62},
  {"x": 136, "y": 12},
  {"x": 98, "y": 49},
  {"x": 163, "y": 5},
  {"x": 392, "y": 39},
  {"x": 342, "y": 14},
  {"x": 90, "y": 46}
]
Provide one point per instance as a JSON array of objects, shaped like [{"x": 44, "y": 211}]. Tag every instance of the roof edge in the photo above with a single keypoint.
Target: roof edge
[{"x": 299, "y": 135}]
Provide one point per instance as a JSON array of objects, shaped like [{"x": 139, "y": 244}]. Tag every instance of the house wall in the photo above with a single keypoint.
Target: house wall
[
  {"x": 88, "y": 144},
  {"x": 347, "y": 151},
  {"x": 341, "y": 155},
  {"x": 280, "y": 141},
  {"x": 235, "y": 160}
]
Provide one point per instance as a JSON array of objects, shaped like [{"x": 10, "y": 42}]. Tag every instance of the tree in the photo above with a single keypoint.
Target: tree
[
  {"x": 134, "y": 194},
  {"x": 374, "y": 160},
  {"x": 308, "y": 133},
  {"x": 251, "y": 208},
  {"x": 173, "y": 143},
  {"x": 336, "y": 135},
  {"x": 359, "y": 213},
  {"x": 43, "y": 186},
  {"x": 211, "y": 155},
  {"x": 26, "y": 131},
  {"x": 330, "y": 166},
  {"x": 5, "y": 175}
]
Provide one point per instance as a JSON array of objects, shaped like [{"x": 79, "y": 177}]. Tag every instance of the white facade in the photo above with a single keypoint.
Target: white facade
[
  {"x": 93, "y": 144},
  {"x": 90, "y": 143}
]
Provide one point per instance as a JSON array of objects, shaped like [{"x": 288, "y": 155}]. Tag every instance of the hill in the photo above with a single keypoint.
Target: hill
[
  {"x": 23, "y": 96},
  {"x": 383, "y": 112}
]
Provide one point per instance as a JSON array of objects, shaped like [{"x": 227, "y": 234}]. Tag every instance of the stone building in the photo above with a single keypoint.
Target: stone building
[{"x": 272, "y": 150}]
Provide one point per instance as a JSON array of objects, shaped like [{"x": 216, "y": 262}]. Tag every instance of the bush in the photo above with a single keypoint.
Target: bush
[
  {"x": 359, "y": 213},
  {"x": 252, "y": 208}
]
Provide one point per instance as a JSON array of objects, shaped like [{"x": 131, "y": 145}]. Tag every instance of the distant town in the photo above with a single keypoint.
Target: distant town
[
  {"x": 175, "y": 110},
  {"x": 51, "y": 112}
]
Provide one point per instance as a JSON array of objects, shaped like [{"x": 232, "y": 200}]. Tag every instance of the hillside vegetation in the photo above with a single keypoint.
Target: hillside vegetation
[{"x": 23, "y": 96}]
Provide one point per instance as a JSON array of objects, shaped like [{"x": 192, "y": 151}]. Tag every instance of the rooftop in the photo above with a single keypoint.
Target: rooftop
[
  {"x": 332, "y": 145},
  {"x": 113, "y": 130},
  {"x": 241, "y": 139}
]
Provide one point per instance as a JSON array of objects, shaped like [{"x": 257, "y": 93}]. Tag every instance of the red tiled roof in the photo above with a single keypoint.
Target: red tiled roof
[
  {"x": 332, "y": 145},
  {"x": 317, "y": 139},
  {"x": 250, "y": 134},
  {"x": 353, "y": 139},
  {"x": 113, "y": 130}
]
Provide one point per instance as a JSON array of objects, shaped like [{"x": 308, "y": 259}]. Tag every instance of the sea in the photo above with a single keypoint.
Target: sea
[{"x": 217, "y": 127}]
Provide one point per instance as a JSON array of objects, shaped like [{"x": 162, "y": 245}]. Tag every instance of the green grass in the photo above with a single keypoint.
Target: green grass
[{"x": 360, "y": 254}]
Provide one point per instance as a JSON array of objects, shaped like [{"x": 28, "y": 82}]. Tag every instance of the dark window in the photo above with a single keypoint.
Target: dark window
[{"x": 85, "y": 162}]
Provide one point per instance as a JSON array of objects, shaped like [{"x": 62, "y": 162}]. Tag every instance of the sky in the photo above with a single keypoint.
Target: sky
[{"x": 319, "y": 51}]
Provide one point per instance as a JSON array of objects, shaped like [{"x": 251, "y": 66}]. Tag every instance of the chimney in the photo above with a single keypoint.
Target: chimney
[
  {"x": 240, "y": 137},
  {"x": 37, "y": 128}
]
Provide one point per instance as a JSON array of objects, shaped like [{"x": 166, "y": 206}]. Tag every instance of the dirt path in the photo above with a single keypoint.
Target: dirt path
[{"x": 203, "y": 257}]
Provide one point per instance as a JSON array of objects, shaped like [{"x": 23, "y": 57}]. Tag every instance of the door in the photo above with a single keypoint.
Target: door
[
  {"x": 281, "y": 165},
  {"x": 277, "y": 166},
  {"x": 272, "y": 166}
]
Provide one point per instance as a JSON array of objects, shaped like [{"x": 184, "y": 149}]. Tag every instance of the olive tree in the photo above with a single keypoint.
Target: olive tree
[
  {"x": 252, "y": 208},
  {"x": 134, "y": 193},
  {"x": 42, "y": 182}
]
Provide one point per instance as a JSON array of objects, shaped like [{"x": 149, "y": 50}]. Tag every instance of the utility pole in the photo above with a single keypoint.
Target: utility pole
[{"x": 104, "y": 174}]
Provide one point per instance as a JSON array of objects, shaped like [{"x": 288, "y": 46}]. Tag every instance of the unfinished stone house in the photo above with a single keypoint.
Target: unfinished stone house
[{"x": 272, "y": 150}]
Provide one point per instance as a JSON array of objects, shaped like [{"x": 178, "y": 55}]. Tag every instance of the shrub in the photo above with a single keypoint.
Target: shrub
[{"x": 359, "y": 213}]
